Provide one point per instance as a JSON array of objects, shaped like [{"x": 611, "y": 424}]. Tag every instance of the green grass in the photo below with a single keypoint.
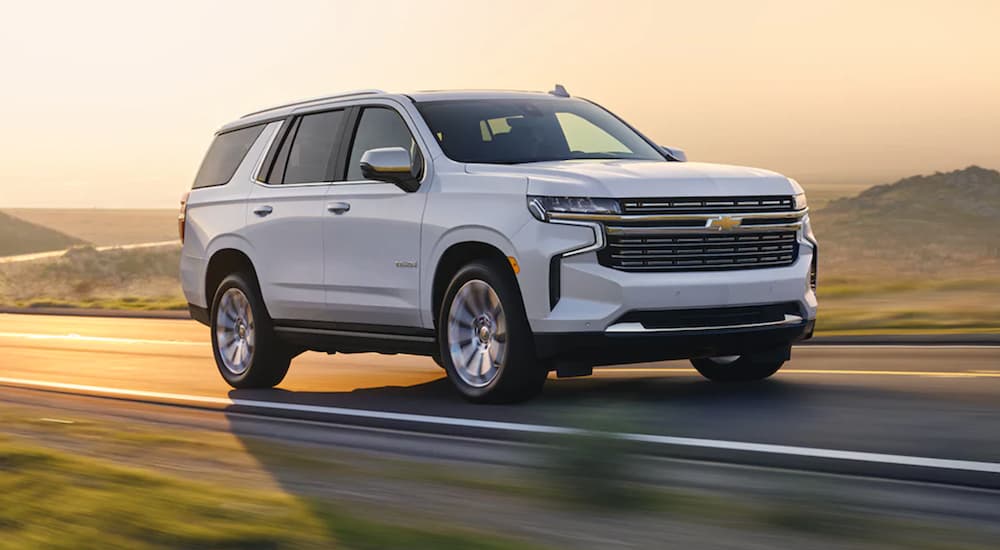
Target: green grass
[
  {"x": 136, "y": 280},
  {"x": 52, "y": 500}
]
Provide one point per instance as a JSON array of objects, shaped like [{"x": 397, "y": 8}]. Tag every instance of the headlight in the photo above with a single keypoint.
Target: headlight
[
  {"x": 541, "y": 207},
  {"x": 799, "y": 201}
]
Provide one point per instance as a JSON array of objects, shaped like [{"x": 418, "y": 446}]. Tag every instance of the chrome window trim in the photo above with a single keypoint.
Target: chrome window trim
[{"x": 632, "y": 328}]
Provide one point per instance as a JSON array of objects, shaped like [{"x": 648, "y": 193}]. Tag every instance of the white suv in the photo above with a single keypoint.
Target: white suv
[{"x": 504, "y": 234}]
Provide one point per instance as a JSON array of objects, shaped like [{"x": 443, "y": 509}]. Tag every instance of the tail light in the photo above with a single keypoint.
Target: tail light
[{"x": 182, "y": 216}]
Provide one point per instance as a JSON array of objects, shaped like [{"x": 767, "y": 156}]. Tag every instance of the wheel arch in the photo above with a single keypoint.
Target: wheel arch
[
  {"x": 224, "y": 262},
  {"x": 457, "y": 255}
]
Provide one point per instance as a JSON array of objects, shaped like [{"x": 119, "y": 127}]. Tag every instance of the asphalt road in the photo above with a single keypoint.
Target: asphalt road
[{"x": 930, "y": 412}]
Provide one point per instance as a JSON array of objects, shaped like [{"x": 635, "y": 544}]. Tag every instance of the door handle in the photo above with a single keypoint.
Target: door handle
[
  {"x": 263, "y": 210},
  {"x": 338, "y": 207}
]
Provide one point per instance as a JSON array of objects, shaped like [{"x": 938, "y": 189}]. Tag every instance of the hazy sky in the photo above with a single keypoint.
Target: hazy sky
[{"x": 112, "y": 104}]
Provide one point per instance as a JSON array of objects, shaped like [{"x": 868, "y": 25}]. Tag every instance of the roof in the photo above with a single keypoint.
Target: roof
[{"x": 281, "y": 111}]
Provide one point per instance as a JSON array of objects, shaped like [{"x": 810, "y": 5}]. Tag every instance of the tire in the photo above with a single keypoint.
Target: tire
[
  {"x": 486, "y": 345},
  {"x": 739, "y": 368},
  {"x": 247, "y": 352}
]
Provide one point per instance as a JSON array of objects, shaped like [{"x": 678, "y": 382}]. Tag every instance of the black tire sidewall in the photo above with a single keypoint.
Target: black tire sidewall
[
  {"x": 267, "y": 363},
  {"x": 517, "y": 378},
  {"x": 744, "y": 369}
]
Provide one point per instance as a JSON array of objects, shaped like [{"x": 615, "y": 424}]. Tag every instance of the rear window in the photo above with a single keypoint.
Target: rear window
[{"x": 225, "y": 155}]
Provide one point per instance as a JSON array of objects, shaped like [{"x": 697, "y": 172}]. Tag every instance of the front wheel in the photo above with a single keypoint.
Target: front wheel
[
  {"x": 486, "y": 345},
  {"x": 738, "y": 368},
  {"x": 246, "y": 349}
]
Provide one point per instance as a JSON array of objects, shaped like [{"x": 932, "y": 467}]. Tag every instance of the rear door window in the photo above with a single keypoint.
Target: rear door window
[
  {"x": 313, "y": 153},
  {"x": 308, "y": 151},
  {"x": 225, "y": 155}
]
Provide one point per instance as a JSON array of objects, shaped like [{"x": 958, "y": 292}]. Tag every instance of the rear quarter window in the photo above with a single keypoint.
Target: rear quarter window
[{"x": 225, "y": 155}]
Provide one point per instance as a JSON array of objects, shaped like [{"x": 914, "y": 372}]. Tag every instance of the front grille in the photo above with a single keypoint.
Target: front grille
[
  {"x": 699, "y": 251},
  {"x": 716, "y": 205}
]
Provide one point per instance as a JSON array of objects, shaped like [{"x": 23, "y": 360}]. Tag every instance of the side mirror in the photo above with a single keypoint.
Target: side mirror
[
  {"x": 391, "y": 165},
  {"x": 674, "y": 154}
]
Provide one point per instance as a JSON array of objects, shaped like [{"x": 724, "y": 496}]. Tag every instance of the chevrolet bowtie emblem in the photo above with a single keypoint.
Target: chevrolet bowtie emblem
[{"x": 724, "y": 223}]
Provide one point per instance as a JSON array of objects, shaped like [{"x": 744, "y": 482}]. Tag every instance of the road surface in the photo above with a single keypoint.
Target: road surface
[{"x": 910, "y": 411}]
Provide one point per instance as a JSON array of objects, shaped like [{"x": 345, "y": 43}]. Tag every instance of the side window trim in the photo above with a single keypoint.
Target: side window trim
[
  {"x": 273, "y": 146},
  {"x": 337, "y": 172}
]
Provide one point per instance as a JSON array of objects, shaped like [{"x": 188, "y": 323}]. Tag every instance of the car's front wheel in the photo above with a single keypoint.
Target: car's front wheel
[
  {"x": 246, "y": 349},
  {"x": 486, "y": 345},
  {"x": 738, "y": 368}
]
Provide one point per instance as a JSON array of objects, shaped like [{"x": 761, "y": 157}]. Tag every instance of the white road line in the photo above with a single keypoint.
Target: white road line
[
  {"x": 812, "y": 346},
  {"x": 764, "y": 448},
  {"x": 786, "y": 371}
]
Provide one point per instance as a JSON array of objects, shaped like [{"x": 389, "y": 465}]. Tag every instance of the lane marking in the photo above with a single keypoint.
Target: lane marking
[
  {"x": 763, "y": 448},
  {"x": 895, "y": 346},
  {"x": 931, "y": 374},
  {"x": 105, "y": 339}
]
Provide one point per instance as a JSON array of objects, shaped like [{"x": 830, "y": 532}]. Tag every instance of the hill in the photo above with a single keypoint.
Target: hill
[
  {"x": 944, "y": 223},
  {"x": 101, "y": 226},
  {"x": 18, "y": 236}
]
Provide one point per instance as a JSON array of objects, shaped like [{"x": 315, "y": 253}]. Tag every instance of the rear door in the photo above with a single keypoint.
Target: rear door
[
  {"x": 372, "y": 232},
  {"x": 286, "y": 212}
]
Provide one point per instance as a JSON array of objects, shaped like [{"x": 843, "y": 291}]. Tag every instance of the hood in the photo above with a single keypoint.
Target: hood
[{"x": 640, "y": 178}]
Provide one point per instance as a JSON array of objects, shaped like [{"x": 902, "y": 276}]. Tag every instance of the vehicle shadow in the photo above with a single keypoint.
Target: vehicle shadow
[{"x": 790, "y": 411}]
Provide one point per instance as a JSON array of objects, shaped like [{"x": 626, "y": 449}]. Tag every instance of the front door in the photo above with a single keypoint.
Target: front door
[{"x": 371, "y": 234}]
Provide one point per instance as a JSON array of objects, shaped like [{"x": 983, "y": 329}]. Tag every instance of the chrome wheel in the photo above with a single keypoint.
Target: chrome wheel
[
  {"x": 234, "y": 331},
  {"x": 725, "y": 359},
  {"x": 477, "y": 334}
]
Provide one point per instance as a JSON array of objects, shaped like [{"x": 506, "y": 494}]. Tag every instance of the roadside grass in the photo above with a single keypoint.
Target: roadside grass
[
  {"x": 50, "y": 499},
  {"x": 137, "y": 280},
  {"x": 861, "y": 305},
  {"x": 89, "y": 484}
]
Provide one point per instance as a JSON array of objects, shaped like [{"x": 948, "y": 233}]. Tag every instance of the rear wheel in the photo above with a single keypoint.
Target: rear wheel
[
  {"x": 738, "y": 368},
  {"x": 247, "y": 352},
  {"x": 486, "y": 345}
]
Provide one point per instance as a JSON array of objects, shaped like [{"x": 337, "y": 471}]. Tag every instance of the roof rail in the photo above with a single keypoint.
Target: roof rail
[{"x": 316, "y": 100}]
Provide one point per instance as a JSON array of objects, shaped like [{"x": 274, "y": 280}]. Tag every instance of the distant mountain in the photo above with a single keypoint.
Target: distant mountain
[
  {"x": 20, "y": 237},
  {"x": 921, "y": 224}
]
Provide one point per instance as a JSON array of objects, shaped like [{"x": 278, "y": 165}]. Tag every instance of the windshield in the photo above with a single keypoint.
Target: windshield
[{"x": 512, "y": 131}]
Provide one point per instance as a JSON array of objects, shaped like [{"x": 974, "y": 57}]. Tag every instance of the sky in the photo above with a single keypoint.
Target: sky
[{"x": 113, "y": 103}]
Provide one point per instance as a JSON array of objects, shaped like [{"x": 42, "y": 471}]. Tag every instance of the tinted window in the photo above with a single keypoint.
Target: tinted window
[
  {"x": 277, "y": 169},
  {"x": 509, "y": 131},
  {"x": 377, "y": 128},
  {"x": 314, "y": 148},
  {"x": 224, "y": 156}
]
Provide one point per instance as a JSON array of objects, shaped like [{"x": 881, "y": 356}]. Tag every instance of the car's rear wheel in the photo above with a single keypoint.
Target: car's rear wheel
[
  {"x": 738, "y": 368},
  {"x": 246, "y": 349},
  {"x": 486, "y": 345}
]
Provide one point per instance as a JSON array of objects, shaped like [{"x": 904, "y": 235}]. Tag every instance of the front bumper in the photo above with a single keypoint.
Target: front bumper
[{"x": 609, "y": 348}]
